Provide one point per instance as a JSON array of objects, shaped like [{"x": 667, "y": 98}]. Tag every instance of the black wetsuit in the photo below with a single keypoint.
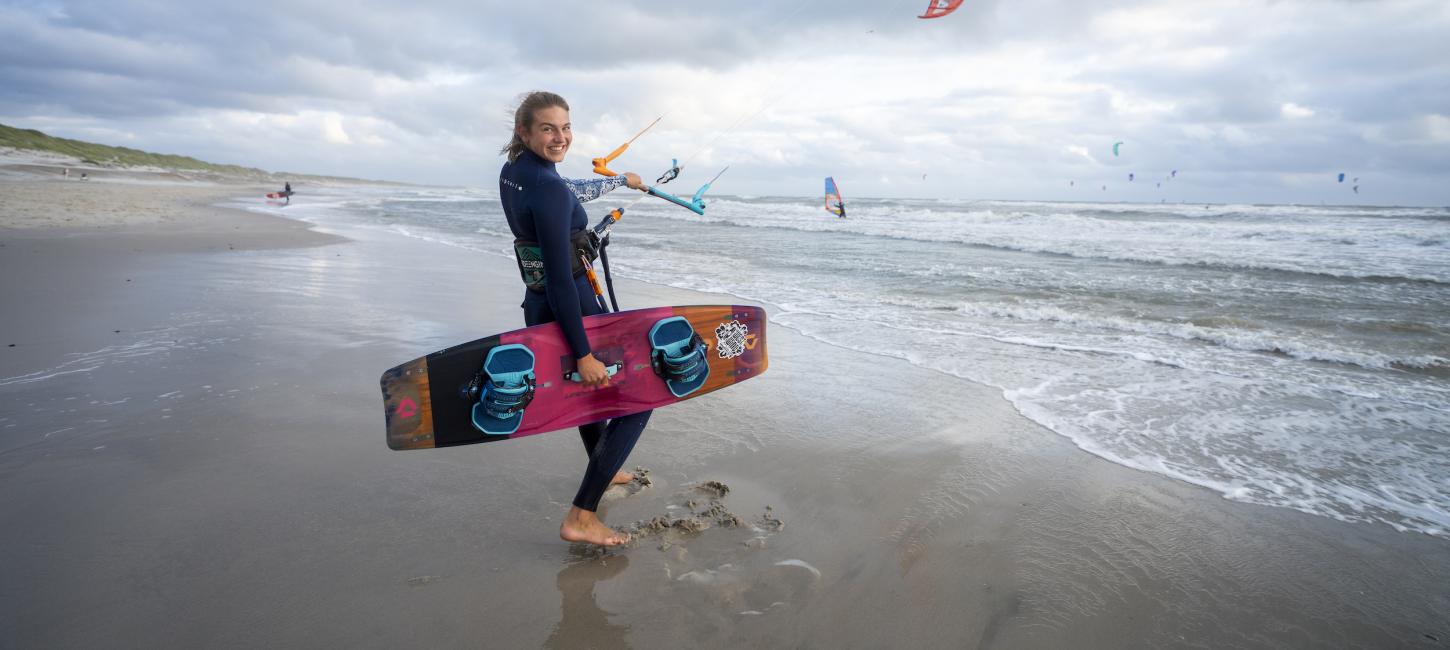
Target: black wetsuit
[{"x": 541, "y": 206}]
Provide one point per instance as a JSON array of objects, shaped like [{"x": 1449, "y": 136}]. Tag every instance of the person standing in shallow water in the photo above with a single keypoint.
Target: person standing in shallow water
[{"x": 543, "y": 207}]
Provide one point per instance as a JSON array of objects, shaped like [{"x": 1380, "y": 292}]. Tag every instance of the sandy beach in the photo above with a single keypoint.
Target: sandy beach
[{"x": 192, "y": 455}]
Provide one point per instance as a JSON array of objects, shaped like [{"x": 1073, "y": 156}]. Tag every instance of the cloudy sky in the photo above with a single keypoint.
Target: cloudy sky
[{"x": 1262, "y": 101}]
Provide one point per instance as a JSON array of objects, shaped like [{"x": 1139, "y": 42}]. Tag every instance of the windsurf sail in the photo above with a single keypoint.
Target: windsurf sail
[
  {"x": 939, "y": 8},
  {"x": 834, "y": 202}
]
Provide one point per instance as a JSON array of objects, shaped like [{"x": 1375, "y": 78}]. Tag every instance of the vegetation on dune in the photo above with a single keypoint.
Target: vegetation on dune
[
  {"x": 100, "y": 155},
  {"x": 106, "y": 156}
]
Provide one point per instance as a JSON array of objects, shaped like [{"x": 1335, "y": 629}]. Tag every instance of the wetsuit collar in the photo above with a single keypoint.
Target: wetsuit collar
[{"x": 536, "y": 159}]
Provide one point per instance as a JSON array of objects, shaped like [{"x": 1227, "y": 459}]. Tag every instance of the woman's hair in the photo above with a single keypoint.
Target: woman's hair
[{"x": 529, "y": 103}]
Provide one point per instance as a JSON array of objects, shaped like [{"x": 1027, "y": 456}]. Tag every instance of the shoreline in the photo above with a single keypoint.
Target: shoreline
[{"x": 172, "y": 404}]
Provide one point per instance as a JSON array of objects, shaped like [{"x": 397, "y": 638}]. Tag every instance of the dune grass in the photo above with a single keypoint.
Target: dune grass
[{"x": 101, "y": 155}]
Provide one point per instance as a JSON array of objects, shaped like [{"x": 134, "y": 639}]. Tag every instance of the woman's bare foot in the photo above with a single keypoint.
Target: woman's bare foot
[
  {"x": 584, "y": 526},
  {"x": 621, "y": 477}
]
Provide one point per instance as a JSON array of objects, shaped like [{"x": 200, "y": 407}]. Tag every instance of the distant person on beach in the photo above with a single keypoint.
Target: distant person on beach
[
  {"x": 66, "y": 173},
  {"x": 287, "y": 192},
  {"x": 84, "y": 177},
  {"x": 545, "y": 208}
]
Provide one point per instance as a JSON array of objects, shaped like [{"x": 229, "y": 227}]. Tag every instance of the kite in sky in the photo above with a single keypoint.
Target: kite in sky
[{"x": 939, "y": 8}]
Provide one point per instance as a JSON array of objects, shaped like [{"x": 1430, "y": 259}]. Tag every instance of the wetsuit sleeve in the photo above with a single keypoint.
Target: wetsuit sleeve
[
  {"x": 587, "y": 190},
  {"x": 553, "y": 205}
]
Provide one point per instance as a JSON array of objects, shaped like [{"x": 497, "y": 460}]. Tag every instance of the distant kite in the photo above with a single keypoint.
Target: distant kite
[
  {"x": 939, "y": 8},
  {"x": 1174, "y": 175},
  {"x": 1341, "y": 177},
  {"x": 1356, "y": 189},
  {"x": 1115, "y": 148},
  {"x": 1130, "y": 177}
]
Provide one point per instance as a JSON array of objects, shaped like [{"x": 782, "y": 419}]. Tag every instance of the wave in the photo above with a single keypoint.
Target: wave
[
  {"x": 1136, "y": 247},
  {"x": 1240, "y": 340}
]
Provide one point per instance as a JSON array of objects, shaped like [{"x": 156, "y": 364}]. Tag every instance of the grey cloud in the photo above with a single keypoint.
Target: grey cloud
[{"x": 1370, "y": 72}]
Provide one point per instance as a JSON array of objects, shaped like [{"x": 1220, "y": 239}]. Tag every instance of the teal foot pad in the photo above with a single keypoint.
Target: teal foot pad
[
  {"x": 679, "y": 355},
  {"x": 508, "y": 388}
]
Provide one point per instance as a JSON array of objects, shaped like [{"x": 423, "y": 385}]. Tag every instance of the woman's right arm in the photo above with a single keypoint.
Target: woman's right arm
[{"x": 587, "y": 190}]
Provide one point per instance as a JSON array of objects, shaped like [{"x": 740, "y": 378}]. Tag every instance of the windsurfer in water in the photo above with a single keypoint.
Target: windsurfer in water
[
  {"x": 545, "y": 208},
  {"x": 841, "y": 209}
]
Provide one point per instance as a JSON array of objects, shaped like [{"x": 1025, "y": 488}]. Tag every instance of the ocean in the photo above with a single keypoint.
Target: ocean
[{"x": 1289, "y": 356}]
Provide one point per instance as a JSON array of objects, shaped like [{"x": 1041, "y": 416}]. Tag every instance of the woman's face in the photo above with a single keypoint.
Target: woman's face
[{"x": 550, "y": 135}]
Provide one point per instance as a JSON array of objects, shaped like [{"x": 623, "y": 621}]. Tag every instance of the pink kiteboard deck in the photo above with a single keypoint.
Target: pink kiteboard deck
[{"x": 427, "y": 403}]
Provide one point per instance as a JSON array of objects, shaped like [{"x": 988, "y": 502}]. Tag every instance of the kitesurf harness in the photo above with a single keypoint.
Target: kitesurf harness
[{"x": 586, "y": 245}]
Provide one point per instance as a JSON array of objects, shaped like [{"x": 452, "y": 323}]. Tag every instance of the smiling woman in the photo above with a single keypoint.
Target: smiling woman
[
  {"x": 526, "y": 117},
  {"x": 544, "y": 213}
]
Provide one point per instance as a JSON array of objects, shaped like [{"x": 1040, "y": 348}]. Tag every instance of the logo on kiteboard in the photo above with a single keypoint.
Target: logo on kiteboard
[
  {"x": 732, "y": 339},
  {"x": 406, "y": 408}
]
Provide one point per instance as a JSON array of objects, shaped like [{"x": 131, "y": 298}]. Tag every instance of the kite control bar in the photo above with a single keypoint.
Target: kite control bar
[{"x": 695, "y": 204}]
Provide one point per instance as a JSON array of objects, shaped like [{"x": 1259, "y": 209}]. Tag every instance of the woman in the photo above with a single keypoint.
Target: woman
[{"x": 544, "y": 208}]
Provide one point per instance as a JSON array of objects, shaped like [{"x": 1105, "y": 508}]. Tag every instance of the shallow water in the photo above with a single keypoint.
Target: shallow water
[{"x": 1283, "y": 355}]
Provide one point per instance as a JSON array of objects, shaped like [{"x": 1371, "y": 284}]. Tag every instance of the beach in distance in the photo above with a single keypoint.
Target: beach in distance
[{"x": 985, "y": 424}]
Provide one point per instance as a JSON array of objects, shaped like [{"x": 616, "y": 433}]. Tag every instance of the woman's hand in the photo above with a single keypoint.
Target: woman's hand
[
  {"x": 592, "y": 372},
  {"x": 632, "y": 181}
]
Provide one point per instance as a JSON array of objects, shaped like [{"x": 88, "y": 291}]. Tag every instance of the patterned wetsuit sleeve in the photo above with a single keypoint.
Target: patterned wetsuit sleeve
[
  {"x": 587, "y": 190},
  {"x": 553, "y": 205}
]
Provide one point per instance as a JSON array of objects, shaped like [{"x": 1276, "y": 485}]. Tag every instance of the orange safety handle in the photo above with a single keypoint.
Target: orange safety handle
[
  {"x": 593, "y": 279},
  {"x": 601, "y": 165}
]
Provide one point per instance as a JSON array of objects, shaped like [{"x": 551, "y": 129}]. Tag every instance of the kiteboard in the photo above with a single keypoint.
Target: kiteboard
[{"x": 524, "y": 382}]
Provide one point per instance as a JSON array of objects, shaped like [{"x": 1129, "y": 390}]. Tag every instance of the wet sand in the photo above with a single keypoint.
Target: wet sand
[{"x": 192, "y": 454}]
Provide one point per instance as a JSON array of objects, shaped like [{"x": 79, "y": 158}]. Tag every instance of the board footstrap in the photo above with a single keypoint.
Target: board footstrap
[
  {"x": 678, "y": 356},
  {"x": 506, "y": 389}
]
